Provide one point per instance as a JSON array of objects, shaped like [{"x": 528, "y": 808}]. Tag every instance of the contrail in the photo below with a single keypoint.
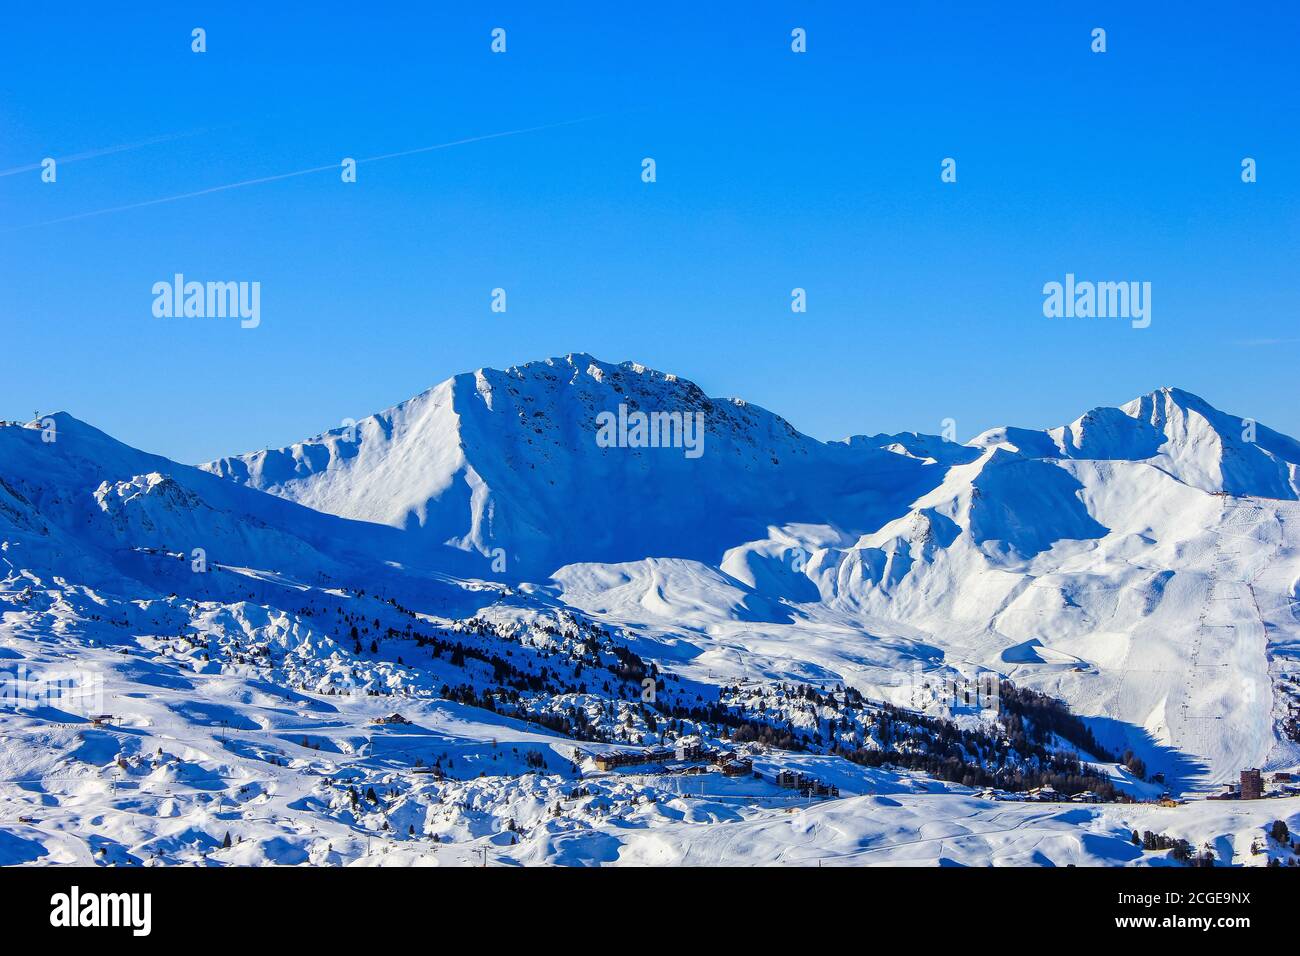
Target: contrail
[
  {"x": 300, "y": 172},
  {"x": 94, "y": 153}
]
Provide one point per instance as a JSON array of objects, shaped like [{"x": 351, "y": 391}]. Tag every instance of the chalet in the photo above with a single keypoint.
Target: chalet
[
  {"x": 393, "y": 718},
  {"x": 816, "y": 788},
  {"x": 611, "y": 760},
  {"x": 689, "y": 749},
  {"x": 99, "y": 720},
  {"x": 807, "y": 786},
  {"x": 735, "y": 766},
  {"x": 1252, "y": 785}
]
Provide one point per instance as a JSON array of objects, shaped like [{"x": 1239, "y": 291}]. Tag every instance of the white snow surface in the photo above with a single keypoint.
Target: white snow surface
[{"x": 1140, "y": 563}]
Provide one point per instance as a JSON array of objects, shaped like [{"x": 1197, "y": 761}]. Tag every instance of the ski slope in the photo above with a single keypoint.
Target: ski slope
[{"x": 249, "y": 619}]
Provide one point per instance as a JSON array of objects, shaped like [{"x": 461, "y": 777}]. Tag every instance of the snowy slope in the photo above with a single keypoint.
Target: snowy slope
[
  {"x": 1087, "y": 559},
  {"x": 1141, "y": 563},
  {"x": 1177, "y": 432},
  {"x": 509, "y": 459},
  {"x": 88, "y": 509}
]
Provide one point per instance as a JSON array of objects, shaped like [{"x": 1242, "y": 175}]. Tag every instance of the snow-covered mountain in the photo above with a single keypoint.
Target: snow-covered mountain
[
  {"x": 510, "y": 459},
  {"x": 1086, "y": 558},
  {"x": 506, "y": 558},
  {"x": 78, "y": 503},
  {"x": 1176, "y": 432}
]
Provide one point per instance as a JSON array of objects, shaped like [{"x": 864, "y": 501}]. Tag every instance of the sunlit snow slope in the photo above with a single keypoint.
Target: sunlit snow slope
[{"x": 1141, "y": 562}]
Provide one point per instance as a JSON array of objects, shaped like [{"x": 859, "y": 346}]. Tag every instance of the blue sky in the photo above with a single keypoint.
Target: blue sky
[{"x": 775, "y": 170}]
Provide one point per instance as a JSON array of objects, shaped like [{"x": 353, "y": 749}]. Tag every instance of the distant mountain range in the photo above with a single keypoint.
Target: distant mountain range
[{"x": 1141, "y": 562}]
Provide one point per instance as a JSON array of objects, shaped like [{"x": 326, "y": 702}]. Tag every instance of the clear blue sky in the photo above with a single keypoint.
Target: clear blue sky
[{"x": 775, "y": 170}]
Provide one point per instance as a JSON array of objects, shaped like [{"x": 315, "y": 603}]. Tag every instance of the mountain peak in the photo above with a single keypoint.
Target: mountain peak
[
  {"x": 1168, "y": 398},
  {"x": 578, "y": 366},
  {"x": 509, "y": 460},
  {"x": 1176, "y": 431}
]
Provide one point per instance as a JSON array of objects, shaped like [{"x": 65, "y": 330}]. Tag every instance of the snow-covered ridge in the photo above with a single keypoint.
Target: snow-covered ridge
[
  {"x": 1113, "y": 524},
  {"x": 502, "y": 459},
  {"x": 1177, "y": 432},
  {"x": 509, "y": 459},
  {"x": 254, "y": 615}
]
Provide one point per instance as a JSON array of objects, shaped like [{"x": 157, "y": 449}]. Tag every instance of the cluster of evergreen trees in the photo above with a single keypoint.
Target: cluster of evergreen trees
[
  {"x": 1062, "y": 772},
  {"x": 1036, "y": 717},
  {"x": 1182, "y": 851},
  {"x": 1022, "y": 756}
]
